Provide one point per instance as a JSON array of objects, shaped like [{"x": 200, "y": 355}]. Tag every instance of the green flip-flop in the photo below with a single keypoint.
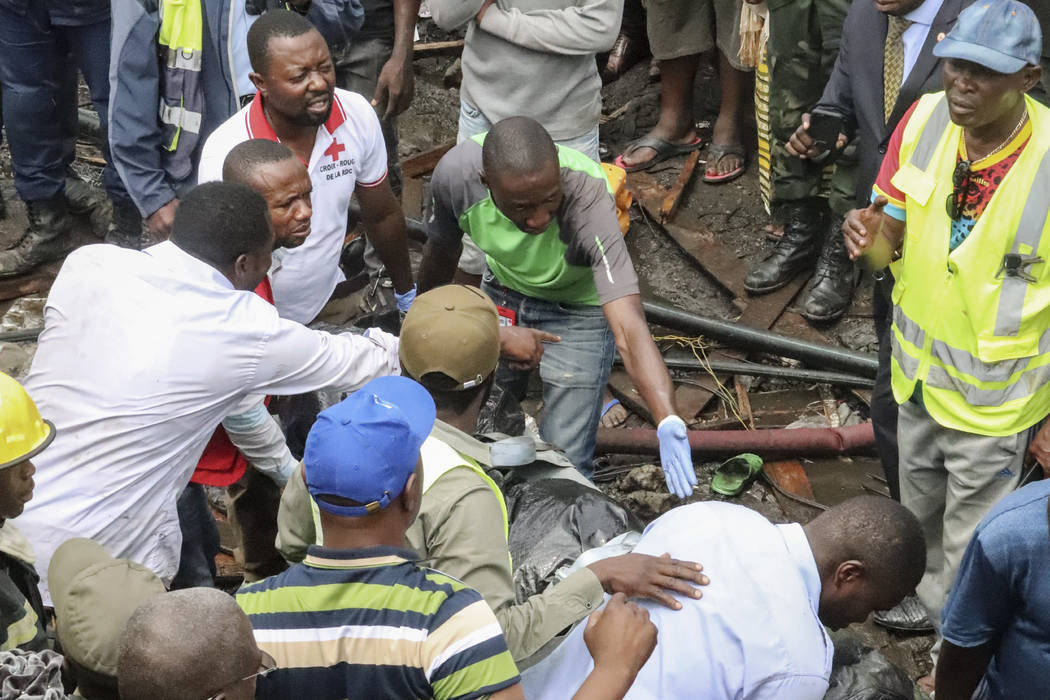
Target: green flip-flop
[{"x": 736, "y": 474}]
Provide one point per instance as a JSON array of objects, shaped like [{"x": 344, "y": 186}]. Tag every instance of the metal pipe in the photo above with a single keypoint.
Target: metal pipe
[
  {"x": 19, "y": 336},
  {"x": 797, "y": 442},
  {"x": 752, "y": 369},
  {"x": 755, "y": 340}
]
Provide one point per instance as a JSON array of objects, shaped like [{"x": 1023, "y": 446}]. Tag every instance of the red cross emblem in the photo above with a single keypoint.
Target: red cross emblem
[{"x": 334, "y": 150}]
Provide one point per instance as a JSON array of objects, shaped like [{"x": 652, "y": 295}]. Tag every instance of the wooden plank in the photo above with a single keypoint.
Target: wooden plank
[
  {"x": 425, "y": 162},
  {"x": 716, "y": 261},
  {"x": 669, "y": 205},
  {"x": 791, "y": 477},
  {"x": 36, "y": 282},
  {"x": 412, "y": 197},
  {"x": 437, "y": 48},
  {"x": 743, "y": 403},
  {"x": 689, "y": 398}
]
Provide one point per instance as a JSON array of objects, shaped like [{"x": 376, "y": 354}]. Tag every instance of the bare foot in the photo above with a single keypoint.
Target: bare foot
[
  {"x": 615, "y": 415},
  {"x": 926, "y": 684}
]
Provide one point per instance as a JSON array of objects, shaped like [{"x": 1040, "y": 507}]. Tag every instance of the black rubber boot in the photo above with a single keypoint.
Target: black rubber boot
[
  {"x": 46, "y": 238},
  {"x": 87, "y": 200},
  {"x": 831, "y": 290},
  {"x": 125, "y": 229},
  {"x": 805, "y": 222}
]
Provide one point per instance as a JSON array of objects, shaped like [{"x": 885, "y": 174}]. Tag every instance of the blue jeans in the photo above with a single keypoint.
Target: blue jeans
[
  {"x": 33, "y": 67},
  {"x": 574, "y": 371}
]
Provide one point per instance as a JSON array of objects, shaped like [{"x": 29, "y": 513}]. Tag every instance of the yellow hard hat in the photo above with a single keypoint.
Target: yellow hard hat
[{"x": 23, "y": 433}]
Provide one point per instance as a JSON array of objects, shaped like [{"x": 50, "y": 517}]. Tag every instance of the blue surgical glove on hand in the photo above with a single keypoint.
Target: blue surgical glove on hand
[
  {"x": 675, "y": 456},
  {"x": 405, "y": 300}
]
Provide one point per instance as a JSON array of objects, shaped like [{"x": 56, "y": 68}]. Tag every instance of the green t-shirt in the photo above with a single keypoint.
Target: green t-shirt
[{"x": 580, "y": 259}]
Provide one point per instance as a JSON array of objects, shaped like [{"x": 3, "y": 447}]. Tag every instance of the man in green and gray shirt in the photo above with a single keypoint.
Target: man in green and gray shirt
[{"x": 545, "y": 218}]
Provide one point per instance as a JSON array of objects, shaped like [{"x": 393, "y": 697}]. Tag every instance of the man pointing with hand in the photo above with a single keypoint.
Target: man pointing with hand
[
  {"x": 964, "y": 191},
  {"x": 557, "y": 264}
]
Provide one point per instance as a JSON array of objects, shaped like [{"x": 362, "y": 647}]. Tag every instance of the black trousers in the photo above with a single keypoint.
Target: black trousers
[{"x": 883, "y": 405}]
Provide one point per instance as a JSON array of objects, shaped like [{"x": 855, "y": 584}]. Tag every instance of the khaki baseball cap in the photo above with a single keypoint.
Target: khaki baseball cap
[
  {"x": 94, "y": 595},
  {"x": 453, "y": 330}
]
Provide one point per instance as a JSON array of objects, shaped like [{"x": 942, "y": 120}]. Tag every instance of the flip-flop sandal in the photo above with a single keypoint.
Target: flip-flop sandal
[
  {"x": 664, "y": 150},
  {"x": 736, "y": 474},
  {"x": 715, "y": 153},
  {"x": 608, "y": 407}
]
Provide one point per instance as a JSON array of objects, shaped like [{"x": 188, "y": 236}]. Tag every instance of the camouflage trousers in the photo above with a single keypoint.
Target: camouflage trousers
[{"x": 803, "y": 43}]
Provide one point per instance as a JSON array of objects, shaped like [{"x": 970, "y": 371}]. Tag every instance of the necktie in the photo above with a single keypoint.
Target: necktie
[{"x": 893, "y": 63}]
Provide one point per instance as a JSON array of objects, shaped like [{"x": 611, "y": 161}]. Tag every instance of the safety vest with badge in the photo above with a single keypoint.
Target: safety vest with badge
[
  {"x": 968, "y": 325},
  {"x": 438, "y": 460}
]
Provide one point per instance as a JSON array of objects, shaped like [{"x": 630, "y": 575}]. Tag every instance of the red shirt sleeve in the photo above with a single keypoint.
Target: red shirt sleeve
[{"x": 890, "y": 165}]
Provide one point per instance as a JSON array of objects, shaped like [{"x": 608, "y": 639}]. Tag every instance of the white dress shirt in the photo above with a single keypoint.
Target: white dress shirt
[
  {"x": 142, "y": 355},
  {"x": 349, "y": 152},
  {"x": 915, "y": 35},
  {"x": 754, "y": 633}
]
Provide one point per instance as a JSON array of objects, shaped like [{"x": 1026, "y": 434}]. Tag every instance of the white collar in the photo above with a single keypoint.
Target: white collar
[
  {"x": 802, "y": 553},
  {"x": 925, "y": 13}
]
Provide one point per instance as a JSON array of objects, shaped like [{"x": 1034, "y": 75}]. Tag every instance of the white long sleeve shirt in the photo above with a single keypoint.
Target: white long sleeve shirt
[
  {"x": 754, "y": 635},
  {"x": 142, "y": 355}
]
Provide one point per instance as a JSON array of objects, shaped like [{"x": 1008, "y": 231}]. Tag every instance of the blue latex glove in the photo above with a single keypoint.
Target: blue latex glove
[
  {"x": 405, "y": 300},
  {"x": 675, "y": 456}
]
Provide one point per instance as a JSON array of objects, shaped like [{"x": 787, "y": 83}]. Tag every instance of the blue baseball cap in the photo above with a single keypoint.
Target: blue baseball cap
[
  {"x": 1003, "y": 35},
  {"x": 365, "y": 447}
]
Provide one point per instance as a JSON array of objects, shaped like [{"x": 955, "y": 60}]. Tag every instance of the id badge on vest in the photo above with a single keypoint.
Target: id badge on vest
[{"x": 507, "y": 317}]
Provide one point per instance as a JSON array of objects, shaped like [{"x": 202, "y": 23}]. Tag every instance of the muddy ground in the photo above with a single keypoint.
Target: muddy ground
[{"x": 732, "y": 211}]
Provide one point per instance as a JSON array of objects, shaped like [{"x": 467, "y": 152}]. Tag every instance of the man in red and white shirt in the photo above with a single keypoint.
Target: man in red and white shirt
[{"x": 337, "y": 135}]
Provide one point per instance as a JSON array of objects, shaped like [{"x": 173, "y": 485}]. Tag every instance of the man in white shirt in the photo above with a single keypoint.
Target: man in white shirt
[
  {"x": 339, "y": 138},
  {"x": 144, "y": 353},
  {"x": 758, "y": 631}
]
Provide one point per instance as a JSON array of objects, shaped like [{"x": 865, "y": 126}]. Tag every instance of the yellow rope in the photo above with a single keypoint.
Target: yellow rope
[{"x": 699, "y": 350}]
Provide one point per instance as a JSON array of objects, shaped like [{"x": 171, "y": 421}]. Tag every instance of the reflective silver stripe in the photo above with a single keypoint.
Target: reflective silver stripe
[
  {"x": 184, "y": 59},
  {"x": 910, "y": 330},
  {"x": 932, "y": 131},
  {"x": 1029, "y": 233},
  {"x": 973, "y": 366},
  {"x": 180, "y": 117},
  {"x": 1026, "y": 385},
  {"x": 909, "y": 365}
]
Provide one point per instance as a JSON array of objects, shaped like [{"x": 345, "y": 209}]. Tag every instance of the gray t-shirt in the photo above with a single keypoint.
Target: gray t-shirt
[{"x": 581, "y": 258}]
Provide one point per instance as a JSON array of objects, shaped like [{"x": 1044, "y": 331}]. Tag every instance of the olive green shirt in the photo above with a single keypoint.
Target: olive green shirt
[{"x": 459, "y": 531}]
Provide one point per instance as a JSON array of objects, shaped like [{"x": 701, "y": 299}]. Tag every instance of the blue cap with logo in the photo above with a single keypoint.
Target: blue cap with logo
[
  {"x": 1003, "y": 35},
  {"x": 364, "y": 448}
]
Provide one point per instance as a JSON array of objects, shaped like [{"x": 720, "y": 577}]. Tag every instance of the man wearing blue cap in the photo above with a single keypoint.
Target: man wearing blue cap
[
  {"x": 358, "y": 613},
  {"x": 964, "y": 192}
]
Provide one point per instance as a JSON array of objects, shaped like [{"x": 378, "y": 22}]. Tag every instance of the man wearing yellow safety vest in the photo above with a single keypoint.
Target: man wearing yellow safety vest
[
  {"x": 450, "y": 344},
  {"x": 23, "y": 435},
  {"x": 178, "y": 69},
  {"x": 964, "y": 192}
]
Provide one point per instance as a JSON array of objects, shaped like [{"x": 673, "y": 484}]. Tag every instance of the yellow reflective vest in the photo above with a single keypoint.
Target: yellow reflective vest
[{"x": 977, "y": 339}]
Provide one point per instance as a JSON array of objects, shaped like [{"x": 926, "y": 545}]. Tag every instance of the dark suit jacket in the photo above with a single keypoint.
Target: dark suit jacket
[{"x": 854, "y": 90}]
